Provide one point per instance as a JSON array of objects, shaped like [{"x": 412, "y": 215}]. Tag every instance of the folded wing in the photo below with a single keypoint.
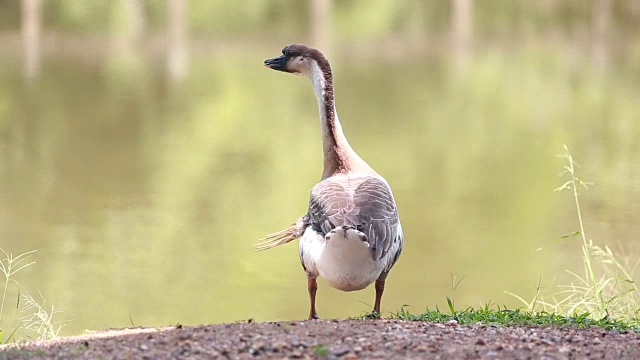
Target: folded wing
[{"x": 365, "y": 203}]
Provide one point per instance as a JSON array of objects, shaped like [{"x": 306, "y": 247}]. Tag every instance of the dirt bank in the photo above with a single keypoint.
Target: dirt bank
[{"x": 337, "y": 339}]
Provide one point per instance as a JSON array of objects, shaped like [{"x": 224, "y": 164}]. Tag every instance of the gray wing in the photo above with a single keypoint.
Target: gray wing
[{"x": 365, "y": 203}]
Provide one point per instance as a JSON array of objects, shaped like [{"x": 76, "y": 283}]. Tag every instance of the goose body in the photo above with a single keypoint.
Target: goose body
[
  {"x": 355, "y": 233},
  {"x": 351, "y": 235}
]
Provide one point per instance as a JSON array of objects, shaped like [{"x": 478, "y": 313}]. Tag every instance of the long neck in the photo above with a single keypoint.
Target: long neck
[{"x": 339, "y": 157}]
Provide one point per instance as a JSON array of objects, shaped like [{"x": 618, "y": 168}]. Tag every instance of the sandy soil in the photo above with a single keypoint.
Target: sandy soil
[{"x": 337, "y": 339}]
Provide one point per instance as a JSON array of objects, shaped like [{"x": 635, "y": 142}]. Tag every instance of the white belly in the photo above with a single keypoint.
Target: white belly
[{"x": 343, "y": 259}]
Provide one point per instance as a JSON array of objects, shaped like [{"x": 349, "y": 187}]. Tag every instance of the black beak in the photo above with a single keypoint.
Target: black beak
[{"x": 278, "y": 63}]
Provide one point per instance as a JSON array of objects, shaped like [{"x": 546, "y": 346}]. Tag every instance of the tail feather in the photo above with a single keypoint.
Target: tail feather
[{"x": 284, "y": 236}]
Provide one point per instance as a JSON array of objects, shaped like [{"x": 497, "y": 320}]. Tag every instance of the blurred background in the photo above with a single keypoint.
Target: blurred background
[{"x": 144, "y": 148}]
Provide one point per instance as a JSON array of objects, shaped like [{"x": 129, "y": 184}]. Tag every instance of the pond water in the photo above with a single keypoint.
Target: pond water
[{"x": 143, "y": 196}]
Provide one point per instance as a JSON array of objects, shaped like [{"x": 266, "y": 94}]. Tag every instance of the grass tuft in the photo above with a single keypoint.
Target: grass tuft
[
  {"x": 605, "y": 289},
  {"x": 493, "y": 314},
  {"x": 604, "y": 295},
  {"x": 36, "y": 317},
  {"x": 321, "y": 351},
  {"x": 9, "y": 266}
]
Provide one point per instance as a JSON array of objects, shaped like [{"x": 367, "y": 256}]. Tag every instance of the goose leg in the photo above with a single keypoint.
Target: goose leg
[
  {"x": 379, "y": 291},
  {"x": 312, "y": 286}
]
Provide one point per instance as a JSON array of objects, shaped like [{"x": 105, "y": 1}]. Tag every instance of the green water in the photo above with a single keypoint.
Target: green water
[{"x": 143, "y": 195}]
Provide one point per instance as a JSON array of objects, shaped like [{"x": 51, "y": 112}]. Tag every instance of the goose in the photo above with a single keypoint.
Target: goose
[{"x": 351, "y": 235}]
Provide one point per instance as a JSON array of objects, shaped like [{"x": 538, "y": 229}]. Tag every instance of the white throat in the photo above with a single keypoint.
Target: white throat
[
  {"x": 332, "y": 135},
  {"x": 318, "y": 82}
]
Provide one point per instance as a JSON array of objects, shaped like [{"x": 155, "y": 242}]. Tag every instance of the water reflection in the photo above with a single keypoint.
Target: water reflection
[{"x": 143, "y": 198}]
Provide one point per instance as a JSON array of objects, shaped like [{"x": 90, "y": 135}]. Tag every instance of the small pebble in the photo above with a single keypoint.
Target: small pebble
[
  {"x": 340, "y": 352},
  {"x": 351, "y": 356}
]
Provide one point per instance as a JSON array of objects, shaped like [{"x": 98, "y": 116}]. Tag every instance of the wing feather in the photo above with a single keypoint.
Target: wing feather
[{"x": 365, "y": 203}]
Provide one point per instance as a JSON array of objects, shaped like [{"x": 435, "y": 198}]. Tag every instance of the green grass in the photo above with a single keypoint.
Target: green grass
[
  {"x": 493, "y": 314},
  {"x": 321, "y": 351}
]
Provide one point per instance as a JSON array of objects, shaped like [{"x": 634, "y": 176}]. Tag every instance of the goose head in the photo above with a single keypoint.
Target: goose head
[{"x": 299, "y": 59}]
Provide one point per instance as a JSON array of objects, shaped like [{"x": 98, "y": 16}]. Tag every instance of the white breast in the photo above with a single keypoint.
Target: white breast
[{"x": 342, "y": 258}]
